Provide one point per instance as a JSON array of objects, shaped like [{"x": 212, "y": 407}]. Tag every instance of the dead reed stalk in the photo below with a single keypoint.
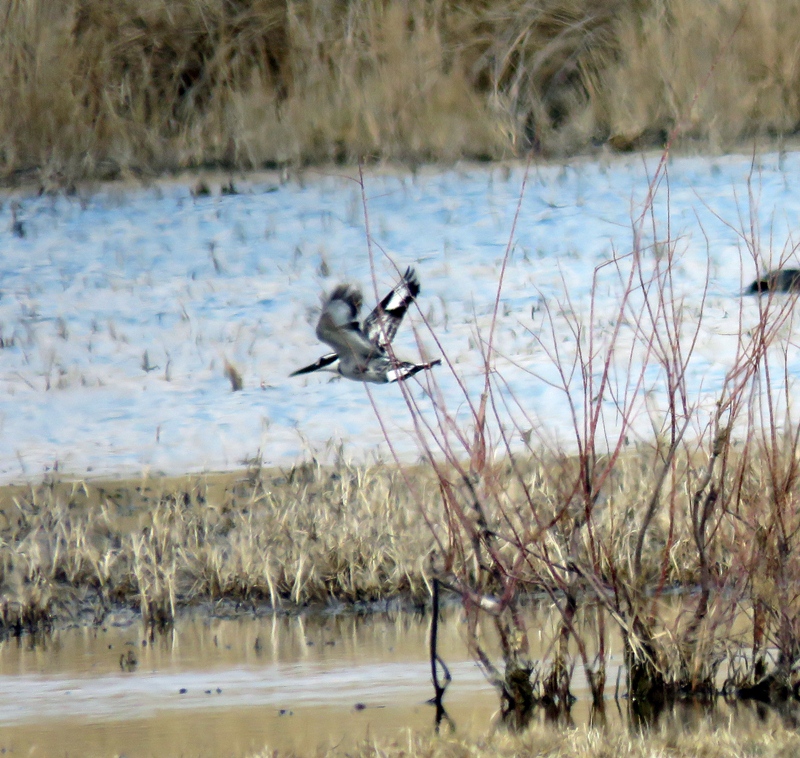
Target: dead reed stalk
[{"x": 574, "y": 526}]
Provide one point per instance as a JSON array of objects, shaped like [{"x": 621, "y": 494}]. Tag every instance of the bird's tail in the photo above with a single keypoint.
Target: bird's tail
[
  {"x": 326, "y": 360},
  {"x": 405, "y": 370}
]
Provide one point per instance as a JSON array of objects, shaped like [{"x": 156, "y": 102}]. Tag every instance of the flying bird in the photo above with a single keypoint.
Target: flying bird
[{"x": 361, "y": 351}]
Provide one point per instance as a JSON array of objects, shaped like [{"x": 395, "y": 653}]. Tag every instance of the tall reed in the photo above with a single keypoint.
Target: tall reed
[{"x": 134, "y": 88}]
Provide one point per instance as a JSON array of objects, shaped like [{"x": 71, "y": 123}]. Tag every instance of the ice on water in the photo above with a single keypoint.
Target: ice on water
[{"x": 120, "y": 309}]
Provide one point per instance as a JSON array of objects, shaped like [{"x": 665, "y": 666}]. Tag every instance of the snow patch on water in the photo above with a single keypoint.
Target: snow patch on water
[{"x": 119, "y": 311}]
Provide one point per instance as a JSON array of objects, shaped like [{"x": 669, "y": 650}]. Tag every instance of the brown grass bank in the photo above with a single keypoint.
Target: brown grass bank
[
  {"x": 76, "y": 550},
  {"x": 767, "y": 738},
  {"x": 93, "y": 89},
  {"x": 312, "y": 535}
]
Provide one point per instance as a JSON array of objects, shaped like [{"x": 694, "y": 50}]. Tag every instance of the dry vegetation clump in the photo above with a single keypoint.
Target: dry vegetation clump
[
  {"x": 289, "y": 539},
  {"x": 344, "y": 533},
  {"x": 706, "y": 500},
  {"x": 93, "y": 89},
  {"x": 314, "y": 535}
]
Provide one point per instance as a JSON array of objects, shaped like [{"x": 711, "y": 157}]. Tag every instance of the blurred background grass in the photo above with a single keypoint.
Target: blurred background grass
[{"x": 93, "y": 89}]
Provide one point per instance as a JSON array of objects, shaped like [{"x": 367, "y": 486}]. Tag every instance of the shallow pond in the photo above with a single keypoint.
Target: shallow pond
[
  {"x": 230, "y": 687},
  {"x": 235, "y": 687}
]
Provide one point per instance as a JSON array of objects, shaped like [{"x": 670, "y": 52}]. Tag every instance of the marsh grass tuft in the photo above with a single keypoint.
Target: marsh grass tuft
[
  {"x": 307, "y": 535},
  {"x": 234, "y": 377},
  {"x": 135, "y": 88},
  {"x": 310, "y": 534}
]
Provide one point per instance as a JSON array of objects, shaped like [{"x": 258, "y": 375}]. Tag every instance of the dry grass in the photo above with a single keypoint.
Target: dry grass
[
  {"x": 707, "y": 500},
  {"x": 735, "y": 741},
  {"x": 310, "y": 535},
  {"x": 304, "y": 536},
  {"x": 95, "y": 90}
]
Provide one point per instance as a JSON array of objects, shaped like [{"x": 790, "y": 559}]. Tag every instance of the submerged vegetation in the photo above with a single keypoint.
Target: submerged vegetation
[{"x": 97, "y": 90}]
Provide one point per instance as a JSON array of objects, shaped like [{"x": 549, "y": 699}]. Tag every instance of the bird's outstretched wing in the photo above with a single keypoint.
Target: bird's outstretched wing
[
  {"x": 326, "y": 360},
  {"x": 382, "y": 324},
  {"x": 338, "y": 325}
]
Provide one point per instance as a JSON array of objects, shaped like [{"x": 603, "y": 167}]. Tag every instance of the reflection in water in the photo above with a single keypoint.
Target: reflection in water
[
  {"x": 235, "y": 687},
  {"x": 232, "y": 686},
  {"x": 440, "y": 674}
]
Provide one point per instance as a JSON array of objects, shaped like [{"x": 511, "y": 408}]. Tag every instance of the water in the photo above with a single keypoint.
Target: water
[
  {"x": 239, "y": 687},
  {"x": 231, "y": 687}
]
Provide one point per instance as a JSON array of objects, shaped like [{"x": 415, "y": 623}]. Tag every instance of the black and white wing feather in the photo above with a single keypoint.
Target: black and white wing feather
[
  {"x": 382, "y": 324},
  {"x": 323, "y": 362},
  {"x": 404, "y": 370},
  {"x": 338, "y": 325}
]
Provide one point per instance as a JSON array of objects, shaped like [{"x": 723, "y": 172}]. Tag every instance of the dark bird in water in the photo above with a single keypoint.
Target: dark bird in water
[
  {"x": 782, "y": 280},
  {"x": 361, "y": 350}
]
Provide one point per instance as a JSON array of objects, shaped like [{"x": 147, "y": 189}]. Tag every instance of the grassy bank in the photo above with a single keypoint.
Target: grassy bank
[
  {"x": 733, "y": 741},
  {"x": 309, "y": 535},
  {"x": 99, "y": 90},
  {"x": 313, "y": 535}
]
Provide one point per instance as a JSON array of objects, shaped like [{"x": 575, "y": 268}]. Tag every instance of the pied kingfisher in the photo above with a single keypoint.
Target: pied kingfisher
[{"x": 361, "y": 351}]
